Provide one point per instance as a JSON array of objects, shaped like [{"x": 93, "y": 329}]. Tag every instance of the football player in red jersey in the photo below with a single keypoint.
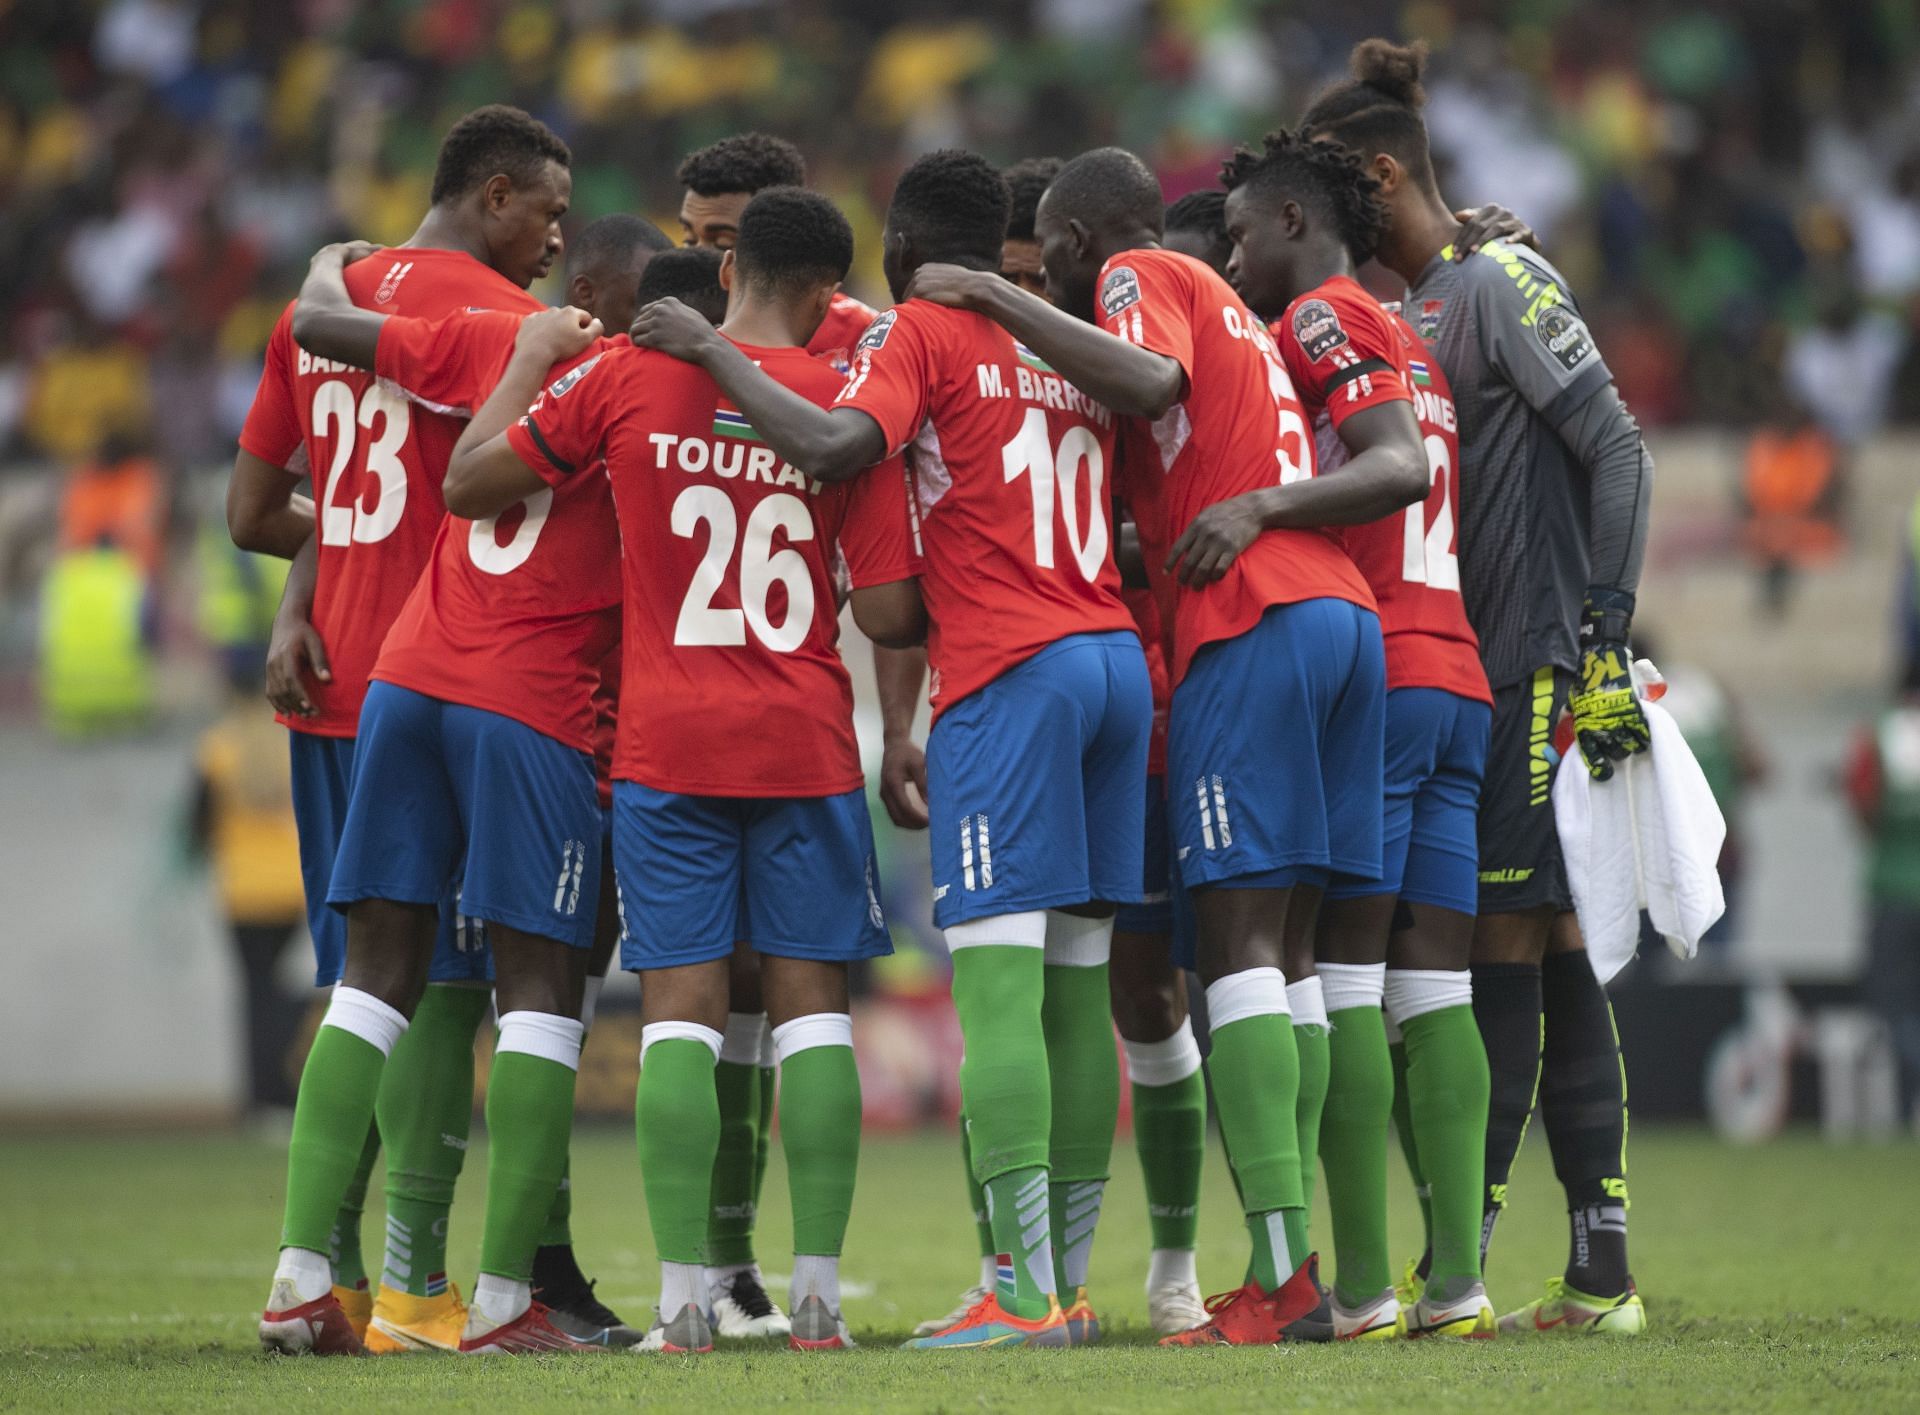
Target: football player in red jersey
[
  {"x": 500, "y": 187},
  {"x": 720, "y": 180},
  {"x": 1041, "y": 716},
  {"x": 1303, "y": 215},
  {"x": 724, "y": 831},
  {"x": 1274, "y": 742}
]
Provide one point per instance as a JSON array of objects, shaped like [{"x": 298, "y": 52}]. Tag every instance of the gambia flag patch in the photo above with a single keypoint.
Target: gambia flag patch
[
  {"x": 1420, "y": 374},
  {"x": 729, "y": 421},
  {"x": 1031, "y": 359}
]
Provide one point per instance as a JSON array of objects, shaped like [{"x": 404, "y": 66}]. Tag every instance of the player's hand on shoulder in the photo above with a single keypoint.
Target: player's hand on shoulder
[
  {"x": 903, "y": 783},
  {"x": 1491, "y": 222},
  {"x": 344, "y": 253},
  {"x": 556, "y": 334},
  {"x": 1213, "y": 540},
  {"x": 294, "y": 650},
  {"x": 954, "y": 286},
  {"x": 673, "y": 328}
]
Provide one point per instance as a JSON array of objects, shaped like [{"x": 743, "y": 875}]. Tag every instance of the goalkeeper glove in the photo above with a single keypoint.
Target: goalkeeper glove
[{"x": 1606, "y": 711}]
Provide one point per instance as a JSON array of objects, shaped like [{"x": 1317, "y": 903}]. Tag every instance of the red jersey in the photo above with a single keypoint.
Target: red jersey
[
  {"x": 516, "y": 612},
  {"x": 834, "y": 341},
  {"x": 1347, "y": 353},
  {"x": 732, "y": 682},
  {"x": 376, "y": 459},
  {"x": 1240, "y": 428},
  {"x": 1009, "y": 467}
]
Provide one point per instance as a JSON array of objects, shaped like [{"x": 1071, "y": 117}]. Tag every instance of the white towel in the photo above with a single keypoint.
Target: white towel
[{"x": 1647, "y": 838}]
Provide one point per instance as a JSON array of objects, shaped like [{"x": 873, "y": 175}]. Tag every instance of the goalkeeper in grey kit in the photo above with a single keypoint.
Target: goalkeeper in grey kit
[{"x": 1555, "y": 482}]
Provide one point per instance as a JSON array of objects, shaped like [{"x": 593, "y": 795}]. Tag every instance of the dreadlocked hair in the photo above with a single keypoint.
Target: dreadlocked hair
[{"x": 1322, "y": 176}]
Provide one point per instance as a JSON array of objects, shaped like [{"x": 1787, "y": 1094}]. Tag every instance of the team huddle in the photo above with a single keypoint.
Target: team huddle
[{"x": 1247, "y": 610}]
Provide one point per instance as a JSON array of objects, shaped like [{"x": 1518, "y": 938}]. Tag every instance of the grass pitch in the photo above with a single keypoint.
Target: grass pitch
[{"x": 1775, "y": 1278}]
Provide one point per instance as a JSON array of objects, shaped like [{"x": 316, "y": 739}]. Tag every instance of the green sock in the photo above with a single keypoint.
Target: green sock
[
  {"x": 1083, "y": 1070},
  {"x": 997, "y": 992},
  {"x": 731, "y": 1197},
  {"x": 1256, "y": 1075},
  {"x": 820, "y": 1131},
  {"x": 331, "y": 1118},
  {"x": 1409, "y": 1146},
  {"x": 1314, "y": 1049},
  {"x": 1353, "y": 1146},
  {"x": 349, "y": 1267},
  {"x": 763, "y": 1138},
  {"x": 1170, "y": 1131},
  {"x": 426, "y": 1111},
  {"x": 529, "y": 1122},
  {"x": 1447, "y": 1096},
  {"x": 976, "y": 1198},
  {"x": 677, "y": 1121}
]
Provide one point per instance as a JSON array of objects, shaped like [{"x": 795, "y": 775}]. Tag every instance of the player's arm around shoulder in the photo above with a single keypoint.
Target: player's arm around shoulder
[
  {"x": 487, "y": 472},
  {"x": 326, "y": 321}
]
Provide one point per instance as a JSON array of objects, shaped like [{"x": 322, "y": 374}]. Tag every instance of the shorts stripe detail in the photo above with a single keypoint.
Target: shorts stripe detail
[
  {"x": 986, "y": 855},
  {"x": 1206, "y": 812},
  {"x": 966, "y": 851},
  {"x": 1220, "y": 811}
]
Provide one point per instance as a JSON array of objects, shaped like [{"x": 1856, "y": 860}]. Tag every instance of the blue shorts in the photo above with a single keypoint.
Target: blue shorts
[
  {"x": 1436, "y": 757},
  {"x": 445, "y": 795},
  {"x": 322, "y": 781},
  {"x": 793, "y": 876},
  {"x": 1033, "y": 783},
  {"x": 1154, "y": 914},
  {"x": 1274, "y": 750}
]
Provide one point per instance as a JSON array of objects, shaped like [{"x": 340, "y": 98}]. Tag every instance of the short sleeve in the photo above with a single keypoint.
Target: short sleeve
[
  {"x": 1532, "y": 333},
  {"x": 449, "y": 364},
  {"x": 563, "y": 431},
  {"x": 1143, "y": 303},
  {"x": 877, "y": 536},
  {"x": 272, "y": 429},
  {"x": 1342, "y": 353},
  {"x": 892, "y": 375}
]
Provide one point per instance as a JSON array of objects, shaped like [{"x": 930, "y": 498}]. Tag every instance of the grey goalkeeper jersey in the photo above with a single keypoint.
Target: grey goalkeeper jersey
[{"x": 1525, "y": 375}]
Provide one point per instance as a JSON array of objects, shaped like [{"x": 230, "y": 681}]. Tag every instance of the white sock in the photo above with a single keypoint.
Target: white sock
[
  {"x": 740, "y": 1043},
  {"x": 1350, "y": 985},
  {"x": 1163, "y": 1063},
  {"x": 310, "y": 1273},
  {"x": 989, "y": 1271},
  {"x": 680, "y": 1284},
  {"x": 541, "y": 1034},
  {"x": 1308, "y": 1003},
  {"x": 501, "y": 1299},
  {"x": 366, "y": 1017},
  {"x": 720, "y": 1279},
  {"x": 815, "y": 1275},
  {"x": 1170, "y": 1266}
]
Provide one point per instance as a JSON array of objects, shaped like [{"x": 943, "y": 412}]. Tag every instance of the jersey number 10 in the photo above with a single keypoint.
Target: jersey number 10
[{"x": 1052, "y": 471}]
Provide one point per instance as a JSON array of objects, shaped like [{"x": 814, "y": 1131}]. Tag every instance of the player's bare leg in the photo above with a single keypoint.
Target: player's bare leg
[
  {"x": 1150, "y": 1009},
  {"x": 389, "y": 949}
]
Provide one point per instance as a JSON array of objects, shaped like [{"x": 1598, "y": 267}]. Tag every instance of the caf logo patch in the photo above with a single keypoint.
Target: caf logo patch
[
  {"x": 877, "y": 332},
  {"x": 571, "y": 377},
  {"x": 1317, "y": 329},
  {"x": 1562, "y": 334},
  {"x": 1119, "y": 290}
]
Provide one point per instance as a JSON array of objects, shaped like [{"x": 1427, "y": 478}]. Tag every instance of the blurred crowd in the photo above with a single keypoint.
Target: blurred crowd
[{"x": 1733, "y": 186}]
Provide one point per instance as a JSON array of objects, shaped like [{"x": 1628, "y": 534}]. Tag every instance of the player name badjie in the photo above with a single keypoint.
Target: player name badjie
[
  {"x": 1049, "y": 390},
  {"x": 313, "y": 363},
  {"x": 727, "y": 459}
]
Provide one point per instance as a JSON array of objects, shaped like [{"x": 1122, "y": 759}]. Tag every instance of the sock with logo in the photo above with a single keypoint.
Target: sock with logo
[
  {"x": 333, "y": 1112},
  {"x": 1583, "y": 1105},
  {"x": 426, "y": 1112},
  {"x": 529, "y": 1122},
  {"x": 1410, "y": 1149},
  {"x": 1353, "y": 1137},
  {"x": 819, "y": 1128},
  {"x": 1083, "y": 1069},
  {"x": 1446, "y": 1085},
  {"x": 677, "y": 1127},
  {"x": 999, "y": 978},
  {"x": 739, "y": 1089},
  {"x": 1506, "y": 1007},
  {"x": 349, "y": 1267},
  {"x": 1256, "y": 1077},
  {"x": 1170, "y": 1131},
  {"x": 1313, "y": 1046}
]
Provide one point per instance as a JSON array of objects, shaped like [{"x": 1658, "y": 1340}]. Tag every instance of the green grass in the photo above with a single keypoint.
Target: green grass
[{"x": 1776, "y": 1279}]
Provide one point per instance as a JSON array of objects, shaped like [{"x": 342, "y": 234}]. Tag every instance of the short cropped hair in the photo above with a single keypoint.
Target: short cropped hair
[{"x": 493, "y": 140}]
